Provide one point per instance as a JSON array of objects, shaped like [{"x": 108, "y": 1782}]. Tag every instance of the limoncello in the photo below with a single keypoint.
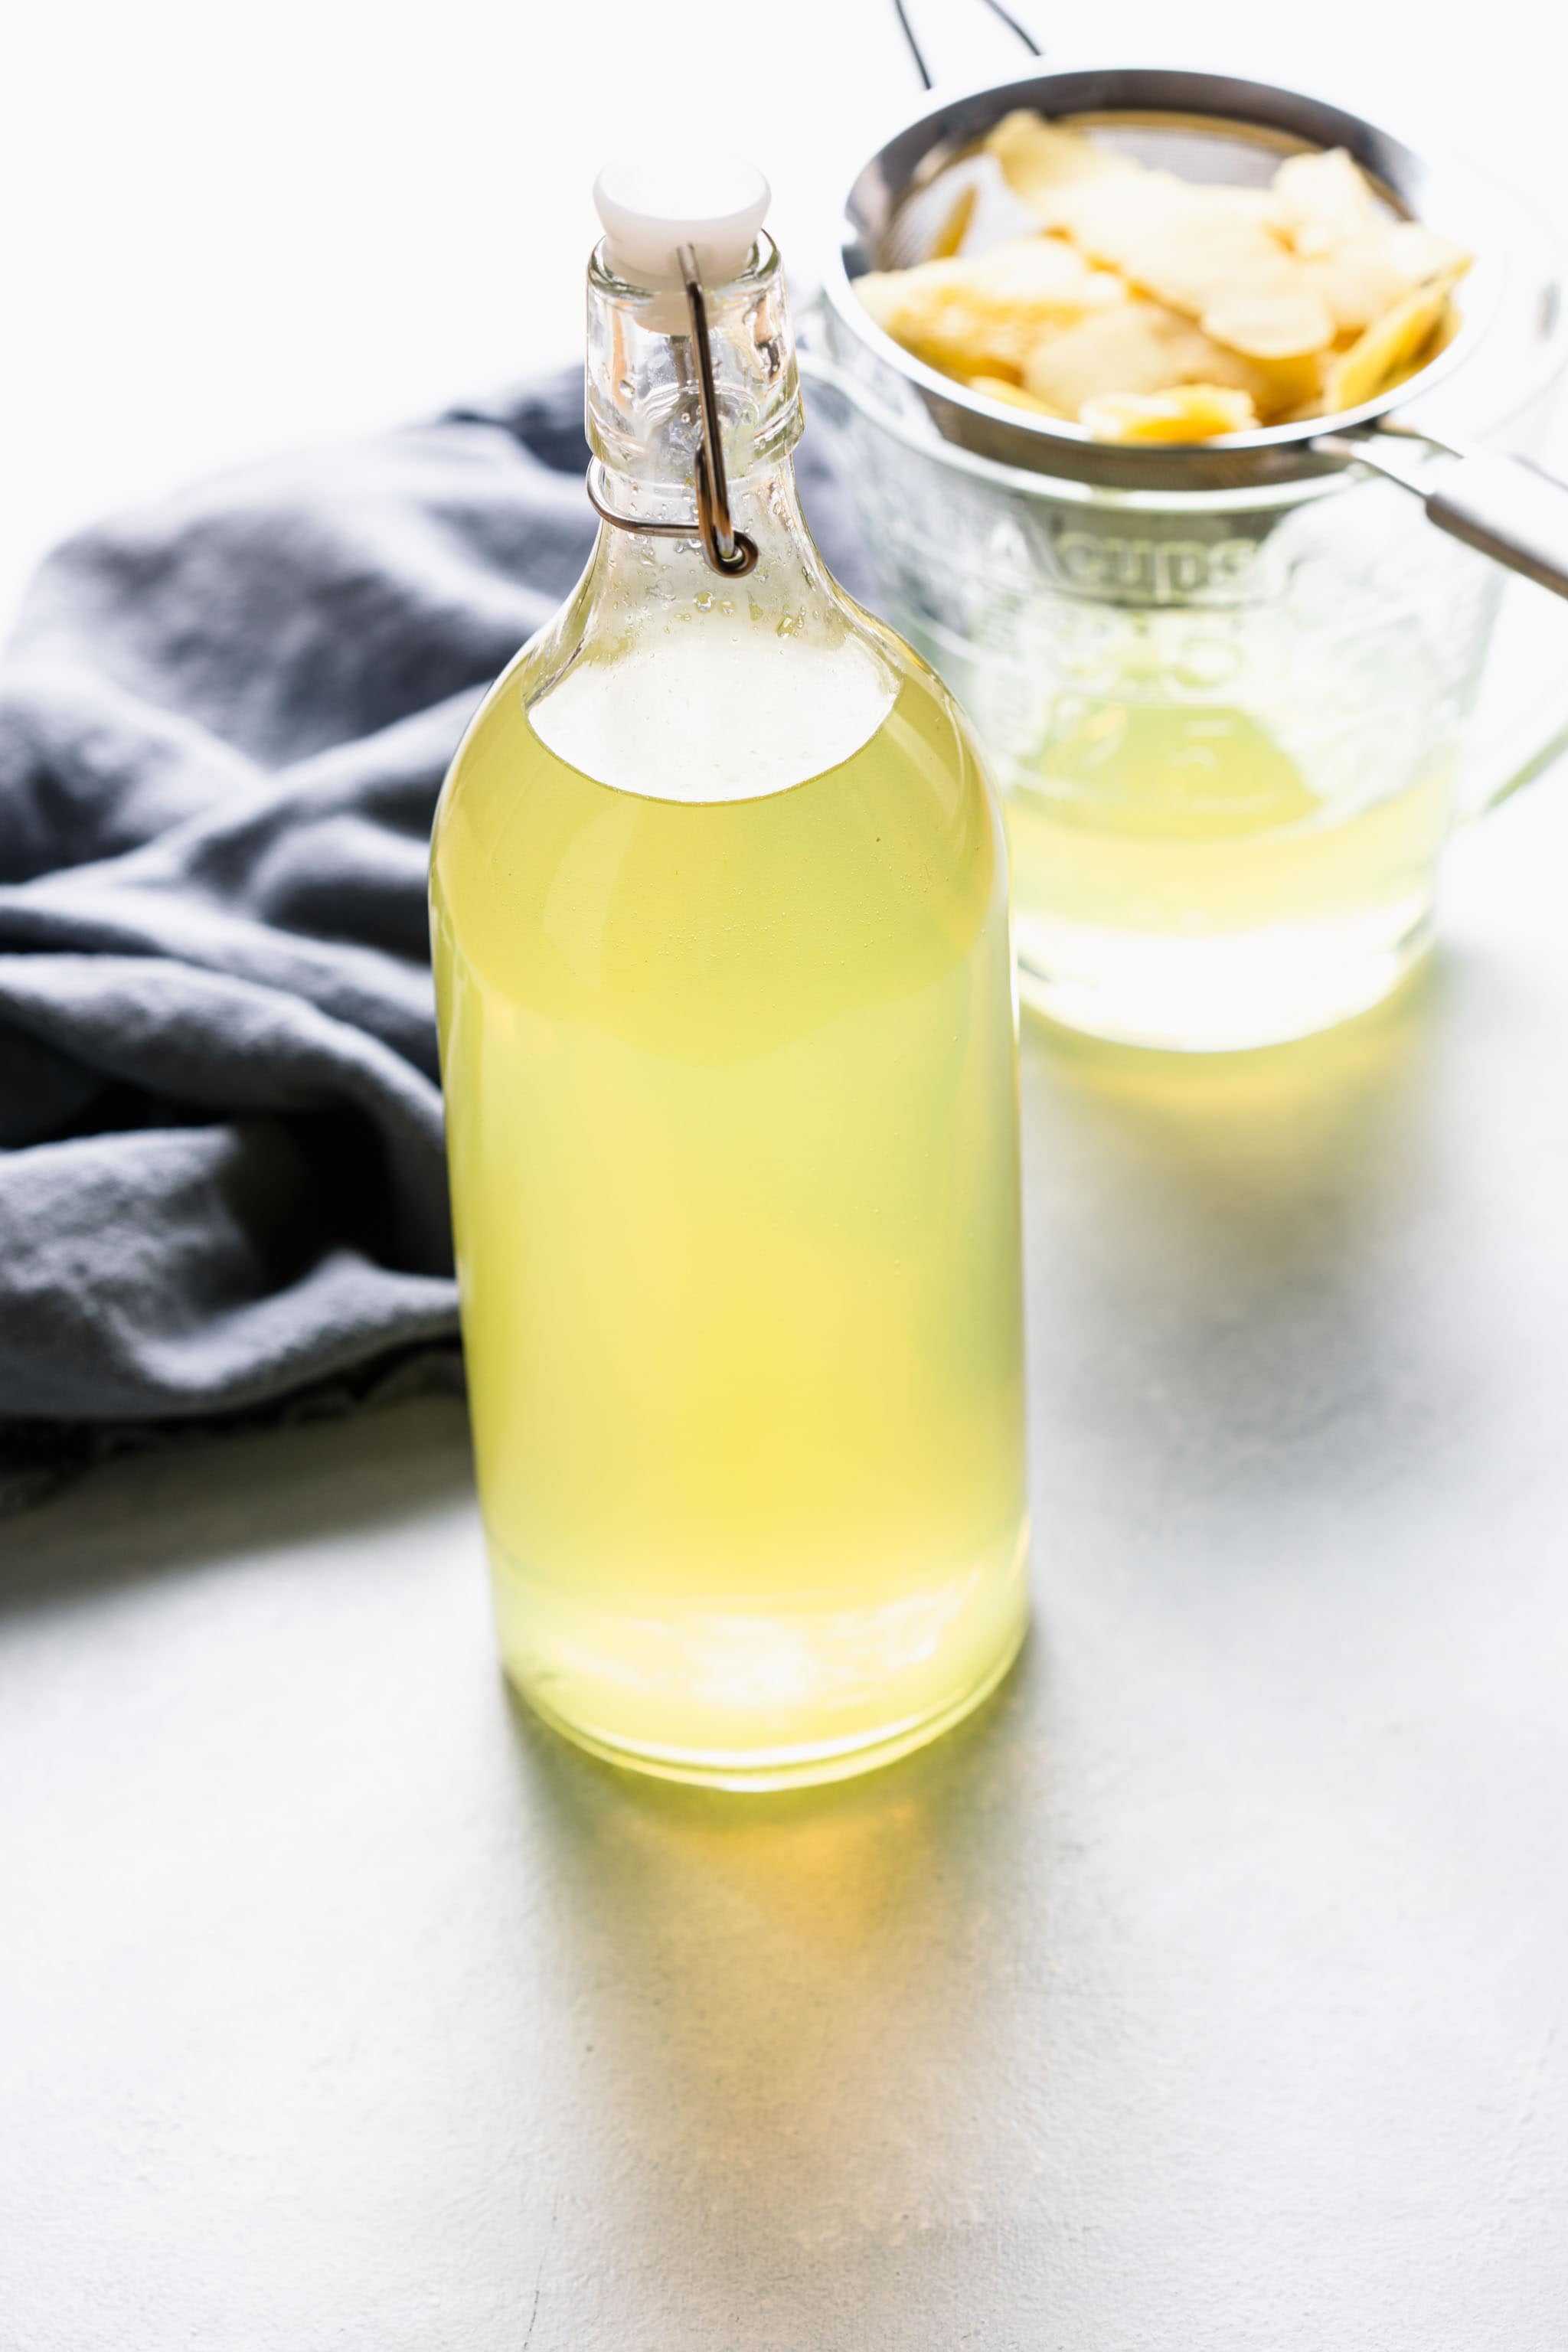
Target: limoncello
[
  {"x": 1181, "y": 879},
  {"x": 719, "y": 925}
]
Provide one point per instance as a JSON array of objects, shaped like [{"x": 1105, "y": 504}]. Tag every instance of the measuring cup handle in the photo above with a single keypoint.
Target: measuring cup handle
[
  {"x": 1508, "y": 509},
  {"x": 1514, "y": 512}
]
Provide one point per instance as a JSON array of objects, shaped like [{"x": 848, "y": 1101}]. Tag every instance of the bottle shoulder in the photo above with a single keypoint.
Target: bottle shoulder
[{"x": 703, "y": 705}]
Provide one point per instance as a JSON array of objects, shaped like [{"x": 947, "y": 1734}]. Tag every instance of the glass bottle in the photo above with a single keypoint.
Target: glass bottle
[{"x": 720, "y": 927}]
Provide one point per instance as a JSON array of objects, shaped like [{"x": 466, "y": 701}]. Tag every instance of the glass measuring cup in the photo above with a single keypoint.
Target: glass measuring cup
[{"x": 1229, "y": 692}]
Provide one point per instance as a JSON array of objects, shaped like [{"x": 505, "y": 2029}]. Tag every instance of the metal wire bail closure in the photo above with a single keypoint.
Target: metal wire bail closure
[{"x": 729, "y": 552}]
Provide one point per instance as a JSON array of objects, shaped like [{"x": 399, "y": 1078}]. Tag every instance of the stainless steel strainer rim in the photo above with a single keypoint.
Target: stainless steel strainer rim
[{"x": 1428, "y": 180}]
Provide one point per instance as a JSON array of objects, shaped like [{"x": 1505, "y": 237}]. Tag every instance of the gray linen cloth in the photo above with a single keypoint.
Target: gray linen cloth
[{"x": 224, "y": 722}]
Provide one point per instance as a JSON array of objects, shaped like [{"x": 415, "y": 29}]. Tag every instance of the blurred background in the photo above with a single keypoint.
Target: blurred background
[{"x": 232, "y": 229}]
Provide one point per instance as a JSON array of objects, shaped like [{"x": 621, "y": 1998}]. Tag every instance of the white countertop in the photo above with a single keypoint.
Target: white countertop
[{"x": 1205, "y": 1994}]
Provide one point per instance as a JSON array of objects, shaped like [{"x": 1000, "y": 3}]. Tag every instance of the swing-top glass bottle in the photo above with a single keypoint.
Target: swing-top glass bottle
[{"x": 720, "y": 920}]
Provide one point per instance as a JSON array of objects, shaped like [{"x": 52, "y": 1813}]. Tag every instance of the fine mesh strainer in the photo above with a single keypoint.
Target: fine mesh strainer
[
  {"x": 1232, "y": 692},
  {"x": 1423, "y": 434}
]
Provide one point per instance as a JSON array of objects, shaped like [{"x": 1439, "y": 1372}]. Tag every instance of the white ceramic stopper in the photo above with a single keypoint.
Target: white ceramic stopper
[{"x": 713, "y": 203}]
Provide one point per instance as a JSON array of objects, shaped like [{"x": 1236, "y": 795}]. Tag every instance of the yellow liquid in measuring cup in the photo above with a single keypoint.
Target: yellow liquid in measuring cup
[
  {"x": 733, "y": 1141},
  {"x": 1176, "y": 880}
]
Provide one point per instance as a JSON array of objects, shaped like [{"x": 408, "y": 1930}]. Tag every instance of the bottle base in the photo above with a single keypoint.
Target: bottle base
[
  {"x": 1212, "y": 995},
  {"x": 799, "y": 1767}
]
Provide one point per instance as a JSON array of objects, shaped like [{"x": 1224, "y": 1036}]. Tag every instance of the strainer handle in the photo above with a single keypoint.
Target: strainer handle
[{"x": 918, "y": 55}]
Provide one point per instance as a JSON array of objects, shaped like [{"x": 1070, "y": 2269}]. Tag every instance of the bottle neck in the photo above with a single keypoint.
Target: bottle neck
[{"x": 643, "y": 417}]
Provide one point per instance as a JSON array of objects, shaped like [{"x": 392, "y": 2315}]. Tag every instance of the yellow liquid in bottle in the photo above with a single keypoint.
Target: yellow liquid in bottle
[
  {"x": 732, "y": 1134},
  {"x": 1177, "y": 881}
]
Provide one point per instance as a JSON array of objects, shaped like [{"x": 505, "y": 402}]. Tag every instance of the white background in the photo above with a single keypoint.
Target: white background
[{"x": 227, "y": 228}]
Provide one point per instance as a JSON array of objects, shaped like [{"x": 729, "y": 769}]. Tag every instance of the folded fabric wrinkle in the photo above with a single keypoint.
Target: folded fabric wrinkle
[{"x": 224, "y": 723}]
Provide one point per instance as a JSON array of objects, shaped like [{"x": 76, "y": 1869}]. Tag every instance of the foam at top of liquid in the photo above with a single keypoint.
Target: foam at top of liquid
[{"x": 716, "y": 708}]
